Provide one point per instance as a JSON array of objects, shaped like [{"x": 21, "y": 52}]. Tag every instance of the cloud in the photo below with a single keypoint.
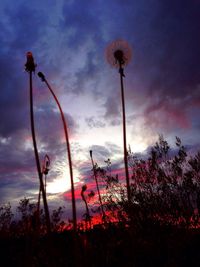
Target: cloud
[
  {"x": 100, "y": 152},
  {"x": 18, "y": 175},
  {"x": 166, "y": 114},
  {"x": 17, "y": 162},
  {"x": 174, "y": 49},
  {"x": 81, "y": 21},
  {"x": 94, "y": 123},
  {"x": 112, "y": 110}
]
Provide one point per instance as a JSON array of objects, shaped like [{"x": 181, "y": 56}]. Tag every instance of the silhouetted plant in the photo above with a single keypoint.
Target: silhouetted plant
[
  {"x": 29, "y": 218},
  {"x": 57, "y": 224},
  {"x": 86, "y": 216},
  {"x": 114, "y": 193},
  {"x": 164, "y": 188},
  {"x": 6, "y": 216},
  {"x": 96, "y": 170}
]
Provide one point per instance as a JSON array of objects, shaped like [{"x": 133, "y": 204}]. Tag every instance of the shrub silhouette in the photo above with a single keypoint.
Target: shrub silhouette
[
  {"x": 164, "y": 188},
  {"x": 6, "y": 216}
]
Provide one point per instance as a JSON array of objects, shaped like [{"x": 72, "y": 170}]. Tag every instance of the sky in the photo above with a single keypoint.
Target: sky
[{"x": 68, "y": 40}]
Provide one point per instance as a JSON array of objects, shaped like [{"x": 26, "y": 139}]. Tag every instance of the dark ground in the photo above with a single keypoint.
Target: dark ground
[{"x": 167, "y": 247}]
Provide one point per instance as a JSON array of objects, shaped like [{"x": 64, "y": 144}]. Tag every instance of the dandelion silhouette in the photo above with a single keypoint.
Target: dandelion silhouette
[
  {"x": 30, "y": 64},
  {"x": 30, "y": 68},
  {"x": 118, "y": 52},
  {"x": 118, "y": 55}
]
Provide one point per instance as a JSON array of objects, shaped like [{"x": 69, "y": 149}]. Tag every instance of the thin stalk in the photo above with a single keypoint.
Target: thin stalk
[
  {"x": 124, "y": 133},
  {"x": 46, "y": 209},
  {"x": 97, "y": 185},
  {"x": 41, "y": 75}
]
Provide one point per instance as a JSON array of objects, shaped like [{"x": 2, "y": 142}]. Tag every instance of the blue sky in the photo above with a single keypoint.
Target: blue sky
[{"x": 68, "y": 40}]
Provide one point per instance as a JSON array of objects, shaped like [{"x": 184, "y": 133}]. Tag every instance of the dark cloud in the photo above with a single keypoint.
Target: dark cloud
[
  {"x": 176, "y": 26},
  {"x": 87, "y": 74},
  {"x": 92, "y": 122},
  {"x": 112, "y": 110},
  {"x": 12, "y": 98},
  {"x": 18, "y": 173},
  {"x": 28, "y": 25},
  {"x": 172, "y": 50},
  {"x": 82, "y": 22},
  {"x": 165, "y": 114},
  {"x": 50, "y": 125}
]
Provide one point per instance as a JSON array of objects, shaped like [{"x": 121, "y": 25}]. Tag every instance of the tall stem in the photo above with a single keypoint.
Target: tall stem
[
  {"x": 37, "y": 156},
  {"x": 124, "y": 133},
  {"x": 69, "y": 155}
]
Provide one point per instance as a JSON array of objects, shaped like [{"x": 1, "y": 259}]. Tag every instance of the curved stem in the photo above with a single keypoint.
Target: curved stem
[{"x": 69, "y": 156}]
